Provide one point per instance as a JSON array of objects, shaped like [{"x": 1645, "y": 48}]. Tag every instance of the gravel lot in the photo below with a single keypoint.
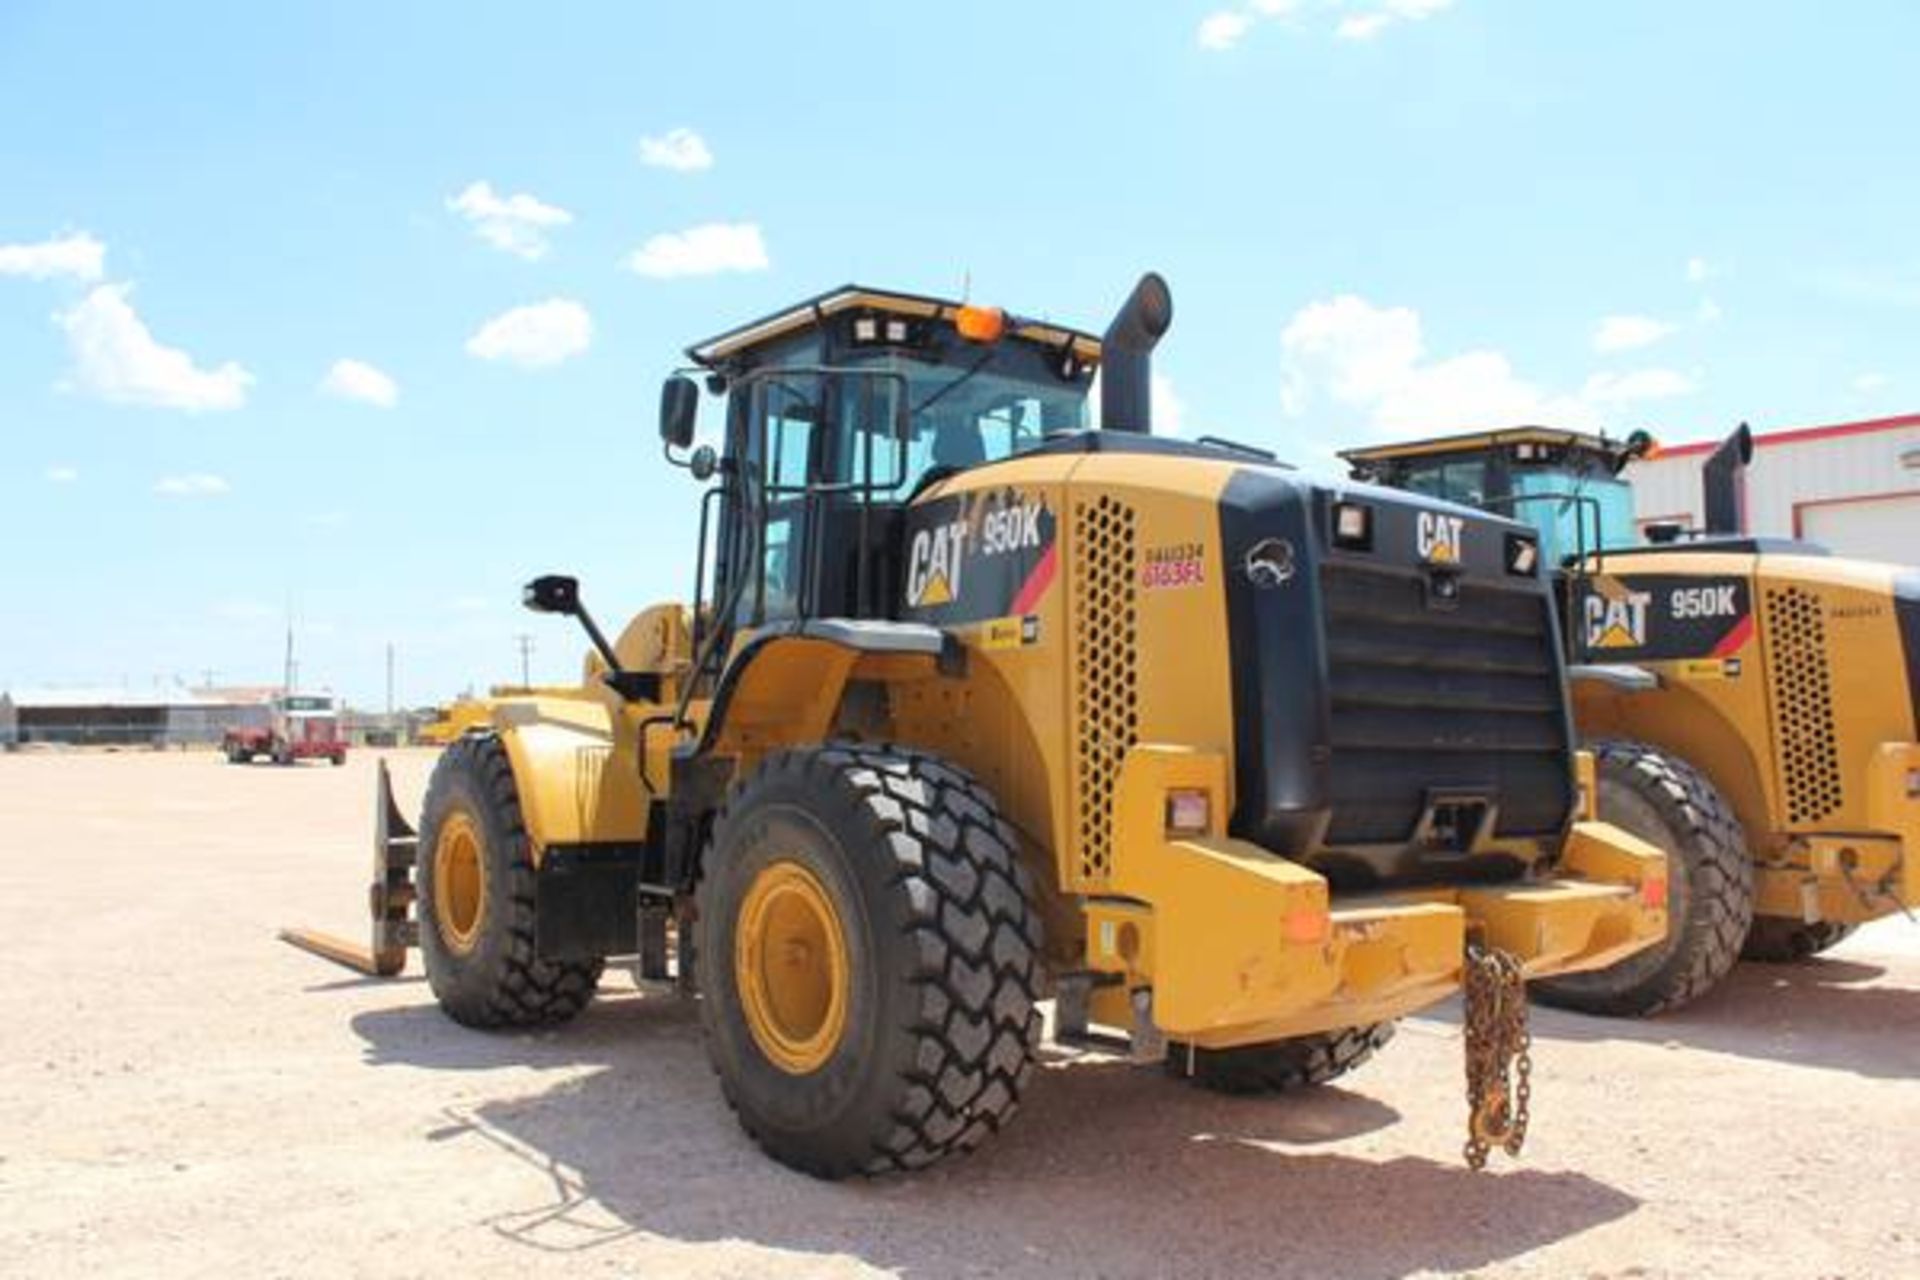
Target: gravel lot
[{"x": 182, "y": 1095}]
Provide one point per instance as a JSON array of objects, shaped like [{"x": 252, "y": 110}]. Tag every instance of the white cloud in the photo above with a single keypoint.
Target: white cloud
[
  {"x": 358, "y": 380},
  {"x": 1365, "y": 26},
  {"x": 1627, "y": 333},
  {"x": 534, "y": 337},
  {"x": 79, "y": 256},
  {"x": 116, "y": 358},
  {"x": 1362, "y": 26},
  {"x": 1373, "y": 360},
  {"x": 681, "y": 150},
  {"x": 516, "y": 224},
  {"x": 1698, "y": 270},
  {"x": 60, "y": 473},
  {"x": 1708, "y": 312},
  {"x": 1222, "y": 30},
  {"x": 1167, "y": 408},
  {"x": 196, "y": 484},
  {"x": 1641, "y": 384},
  {"x": 1864, "y": 383},
  {"x": 701, "y": 251}
]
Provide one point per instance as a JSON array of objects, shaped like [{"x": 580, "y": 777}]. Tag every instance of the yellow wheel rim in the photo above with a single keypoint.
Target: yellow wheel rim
[
  {"x": 790, "y": 968},
  {"x": 459, "y": 882}
]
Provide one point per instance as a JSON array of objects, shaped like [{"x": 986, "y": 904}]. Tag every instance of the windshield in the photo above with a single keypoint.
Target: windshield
[
  {"x": 307, "y": 704},
  {"x": 973, "y": 408},
  {"x": 1574, "y": 513}
]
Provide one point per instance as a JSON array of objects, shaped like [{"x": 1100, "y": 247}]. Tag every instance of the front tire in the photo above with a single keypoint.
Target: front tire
[
  {"x": 1673, "y": 806},
  {"x": 868, "y": 960},
  {"x": 476, "y": 886},
  {"x": 1278, "y": 1066},
  {"x": 1777, "y": 940}
]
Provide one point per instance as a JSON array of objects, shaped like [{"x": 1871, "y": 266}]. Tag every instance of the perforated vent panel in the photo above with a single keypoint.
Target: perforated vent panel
[
  {"x": 1106, "y": 683},
  {"x": 1803, "y": 703}
]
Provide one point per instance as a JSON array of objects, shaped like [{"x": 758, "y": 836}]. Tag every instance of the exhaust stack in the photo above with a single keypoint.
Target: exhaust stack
[
  {"x": 1126, "y": 356},
  {"x": 1722, "y": 483}
]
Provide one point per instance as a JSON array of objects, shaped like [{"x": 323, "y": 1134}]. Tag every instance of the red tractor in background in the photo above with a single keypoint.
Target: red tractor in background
[{"x": 297, "y": 726}]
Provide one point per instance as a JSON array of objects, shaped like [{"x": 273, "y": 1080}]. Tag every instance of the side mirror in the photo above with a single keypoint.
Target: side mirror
[
  {"x": 679, "y": 401},
  {"x": 703, "y": 463},
  {"x": 554, "y": 593}
]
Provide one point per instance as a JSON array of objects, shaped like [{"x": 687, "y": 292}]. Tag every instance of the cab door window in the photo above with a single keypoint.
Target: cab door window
[{"x": 792, "y": 439}]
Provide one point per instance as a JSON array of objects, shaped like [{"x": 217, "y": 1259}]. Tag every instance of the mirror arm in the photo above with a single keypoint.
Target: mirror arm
[{"x": 630, "y": 685}]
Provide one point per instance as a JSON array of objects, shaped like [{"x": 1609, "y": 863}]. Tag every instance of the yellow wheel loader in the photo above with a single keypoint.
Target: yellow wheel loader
[
  {"x": 1754, "y": 703},
  {"x": 978, "y": 704}
]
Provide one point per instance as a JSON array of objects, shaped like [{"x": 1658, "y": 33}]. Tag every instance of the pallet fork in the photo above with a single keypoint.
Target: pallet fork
[{"x": 389, "y": 897}]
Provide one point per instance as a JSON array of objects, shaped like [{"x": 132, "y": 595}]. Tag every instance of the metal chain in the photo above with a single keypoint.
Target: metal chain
[{"x": 1499, "y": 1057}]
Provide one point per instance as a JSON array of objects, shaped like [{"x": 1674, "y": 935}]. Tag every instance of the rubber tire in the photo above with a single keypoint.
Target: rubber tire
[
  {"x": 943, "y": 943},
  {"x": 1278, "y": 1066},
  {"x": 1671, "y": 805},
  {"x": 501, "y": 982},
  {"x": 338, "y": 760},
  {"x": 1778, "y": 940}
]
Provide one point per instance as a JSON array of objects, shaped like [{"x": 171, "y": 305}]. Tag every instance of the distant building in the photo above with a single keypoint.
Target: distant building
[
  {"x": 121, "y": 717},
  {"x": 1852, "y": 486}
]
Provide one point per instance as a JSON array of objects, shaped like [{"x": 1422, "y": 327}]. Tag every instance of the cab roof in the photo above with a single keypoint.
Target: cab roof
[
  {"x": 853, "y": 297},
  {"x": 1473, "y": 441}
]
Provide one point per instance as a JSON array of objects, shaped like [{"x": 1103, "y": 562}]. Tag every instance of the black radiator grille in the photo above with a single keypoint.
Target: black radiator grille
[{"x": 1463, "y": 700}]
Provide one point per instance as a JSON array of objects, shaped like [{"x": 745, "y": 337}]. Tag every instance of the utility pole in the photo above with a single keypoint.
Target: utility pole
[
  {"x": 287, "y": 677},
  {"x": 526, "y": 655},
  {"x": 389, "y": 679}
]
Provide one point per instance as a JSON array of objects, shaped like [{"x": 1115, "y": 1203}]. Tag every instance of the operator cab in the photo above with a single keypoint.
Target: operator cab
[
  {"x": 1566, "y": 484},
  {"x": 839, "y": 412}
]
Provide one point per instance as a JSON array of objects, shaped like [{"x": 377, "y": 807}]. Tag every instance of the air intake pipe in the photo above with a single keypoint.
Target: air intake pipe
[
  {"x": 1722, "y": 484},
  {"x": 1126, "y": 356}
]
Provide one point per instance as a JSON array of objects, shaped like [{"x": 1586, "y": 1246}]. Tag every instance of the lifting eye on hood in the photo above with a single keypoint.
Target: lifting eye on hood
[{"x": 1269, "y": 562}]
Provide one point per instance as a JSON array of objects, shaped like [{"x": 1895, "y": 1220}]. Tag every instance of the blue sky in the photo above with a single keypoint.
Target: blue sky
[{"x": 1377, "y": 216}]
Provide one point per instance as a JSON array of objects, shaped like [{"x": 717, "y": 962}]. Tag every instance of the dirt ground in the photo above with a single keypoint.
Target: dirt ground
[{"x": 182, "y": 1095}]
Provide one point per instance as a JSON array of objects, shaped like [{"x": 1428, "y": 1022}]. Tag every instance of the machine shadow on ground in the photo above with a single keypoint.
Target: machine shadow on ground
[
  {"x": 1822, "y": 1013},
  {"x": 1129, "y": 1170}
]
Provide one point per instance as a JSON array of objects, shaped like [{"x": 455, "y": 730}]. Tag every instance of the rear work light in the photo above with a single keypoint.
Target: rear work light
[
  {"x": 1353, "y": 526},
  {"x": 1523, "y": 555}
]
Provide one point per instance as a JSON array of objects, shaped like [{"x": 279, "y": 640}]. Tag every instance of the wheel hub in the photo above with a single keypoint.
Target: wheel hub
[
  {"x": 459, "y": 882},
  {"x": 791, "y": 968}
]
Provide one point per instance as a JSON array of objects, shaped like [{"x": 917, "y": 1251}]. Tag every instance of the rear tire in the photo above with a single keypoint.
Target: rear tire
[
  {"x": 1671, "y": 805},
  {"x": 919, "y": 1037},
  {"x": 1777, "y": 940},
  {"x": 476, "y": 899},
  {"x": 1278, "y": 1066}
]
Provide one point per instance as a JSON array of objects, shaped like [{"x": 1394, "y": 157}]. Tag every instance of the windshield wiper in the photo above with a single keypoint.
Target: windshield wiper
[{"x": 929, "y": 402}]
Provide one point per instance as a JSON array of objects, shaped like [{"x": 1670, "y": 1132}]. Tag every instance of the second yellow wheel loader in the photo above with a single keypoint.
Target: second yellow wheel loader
[
  {"x": 977, "y": 704},
  {"x": 1754, "y": 703}
]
